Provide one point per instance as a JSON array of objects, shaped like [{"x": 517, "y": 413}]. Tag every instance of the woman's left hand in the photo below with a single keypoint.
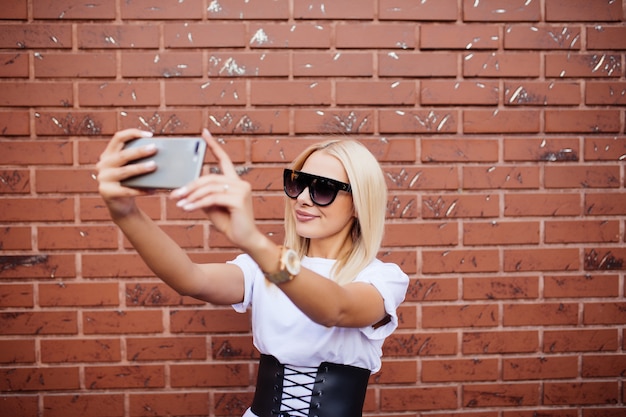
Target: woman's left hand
[{"x": 224, "y": 197}]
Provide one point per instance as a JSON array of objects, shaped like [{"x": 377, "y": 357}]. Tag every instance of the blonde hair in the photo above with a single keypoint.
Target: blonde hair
[{"x": 369, "y": 196}]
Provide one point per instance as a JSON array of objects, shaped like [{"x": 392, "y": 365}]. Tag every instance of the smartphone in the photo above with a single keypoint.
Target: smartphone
[{"x": 178, "y": 161}]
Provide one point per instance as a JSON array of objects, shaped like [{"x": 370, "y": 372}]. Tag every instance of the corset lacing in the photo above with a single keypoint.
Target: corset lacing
[{"x": 298, "y": 386}]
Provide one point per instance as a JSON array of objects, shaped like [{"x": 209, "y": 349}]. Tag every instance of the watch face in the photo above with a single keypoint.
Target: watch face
[{"x": 292, "y": 262}]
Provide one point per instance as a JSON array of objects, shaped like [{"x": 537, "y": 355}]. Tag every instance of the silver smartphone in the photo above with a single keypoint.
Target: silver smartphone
[{"x": 178, "y": 161}]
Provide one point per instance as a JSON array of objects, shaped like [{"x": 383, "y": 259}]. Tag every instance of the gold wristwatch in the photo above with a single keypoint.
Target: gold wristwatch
[{"x": 288, "y": 268}]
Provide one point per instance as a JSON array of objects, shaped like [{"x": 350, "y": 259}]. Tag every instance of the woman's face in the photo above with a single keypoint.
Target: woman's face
[{"x": 328, "y": 227}]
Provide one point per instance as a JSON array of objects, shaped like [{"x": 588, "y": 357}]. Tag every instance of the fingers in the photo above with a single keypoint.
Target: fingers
[{"x": 223, "y": 160}]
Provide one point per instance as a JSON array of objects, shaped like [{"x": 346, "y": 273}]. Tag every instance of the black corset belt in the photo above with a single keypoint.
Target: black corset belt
[{"x": 335, "y": 390}]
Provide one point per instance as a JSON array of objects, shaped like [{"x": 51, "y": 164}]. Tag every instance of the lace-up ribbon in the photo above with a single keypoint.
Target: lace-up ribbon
[{"x": 329, "y": 390}]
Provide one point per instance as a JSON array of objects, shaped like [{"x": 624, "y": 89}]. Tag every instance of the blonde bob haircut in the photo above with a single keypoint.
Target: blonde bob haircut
[{"x": 369, "y": 196}]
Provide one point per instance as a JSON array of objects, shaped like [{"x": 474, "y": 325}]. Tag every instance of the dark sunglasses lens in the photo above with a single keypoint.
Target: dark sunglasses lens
[
  {"x": 322, "y": 193},
  {"x": 293, "y": 184}
]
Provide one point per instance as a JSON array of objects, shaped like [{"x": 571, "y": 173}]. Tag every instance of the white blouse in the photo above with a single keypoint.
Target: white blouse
[{"x": 280, "y": 329}]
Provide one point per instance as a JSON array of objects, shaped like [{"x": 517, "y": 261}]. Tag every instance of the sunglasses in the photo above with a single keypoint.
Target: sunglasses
[{"x": 321, "y": 189}]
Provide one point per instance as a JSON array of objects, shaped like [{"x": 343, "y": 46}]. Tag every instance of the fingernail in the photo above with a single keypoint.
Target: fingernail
[
  {"x": 146, "y": 134},
  {"x": 150, "y": 147},
  {"x": 181, "y": 203},
  {"x": 179, "y": 192},
  {"x": 189, "y": 207},
  {"x": 149, "y": 164}
]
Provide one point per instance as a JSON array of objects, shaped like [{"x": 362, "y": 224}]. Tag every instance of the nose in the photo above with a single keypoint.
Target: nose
[{"x": 305, "y": 197}]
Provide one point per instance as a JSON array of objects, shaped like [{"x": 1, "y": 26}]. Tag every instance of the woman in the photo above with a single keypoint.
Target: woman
[{"x": 322, "y": 304}]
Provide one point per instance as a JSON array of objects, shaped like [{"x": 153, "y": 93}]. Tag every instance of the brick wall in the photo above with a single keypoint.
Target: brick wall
[{"x": 500, "y": 126}]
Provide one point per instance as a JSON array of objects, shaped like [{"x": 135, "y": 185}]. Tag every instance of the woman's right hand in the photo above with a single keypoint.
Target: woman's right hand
[{"x": 112, "y": 169}]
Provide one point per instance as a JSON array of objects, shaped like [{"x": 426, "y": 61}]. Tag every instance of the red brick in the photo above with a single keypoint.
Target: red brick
[
  {"x": 80, "y": 350},
  {"x": 544, "y": 259},
  {"x": 543, "y": 37},
  {"x": 166, "y": 348},
  {"x": 604, "y": 412},
  {"x": 72, "y": 9},
  {"x": 605, "y": 258},
  {"x": 257, "y": 122},
  {"x": 155, "y": 294},
  {"x": 595, "y": 366},
  {"x": 519, "y": 205},
  {"x": 14, "y": 9},
  {"x": 335, "y": 64},
  {"x": 556, "y": 286},
  {"x": 233, "y": 347},
  {"x": 501, "y": 177},
  {"x": 454, "y": 36},
  {"x": 41, "y": 152},
  {"x": 149, "y": 404},
  {"x": 605, "y": 93},
  {"x": 248, "y": 64},
  {"x": 214, "y": 92},
  {"x": 536, "y": 93},
  {"x": 497, "y": 64},
  {"x": 348, "y": 9},
  {"x": 14, "y": 65},
  {"x": 19, "y": 404},
  {"x": 161, "y": 64},
  {"x": 422, "y": 344},
  {"x": 580, "y": 340},
  {"x": 16, "y": 295},
  {"x": 65, "y": 181},
  {"x": 455, "y": 150},
  {"x": 38, "y": 266},
  {"x": 299, "y": 34},
  {"x": 544, "y": 367},
  {"x": 17, "y": 351},
  {"x": 208, "y": 321},
  {"x": 295, "y": 92},
  {"x": 75, "y": 123},
  {"x": 467, "y": 315},
  {"x": 582, "y": 121},
  {"x": 498, "y": 342},
  {"x": 410, "y": 121},
  {"x": 204, "y": 35},
  {"x": 36, "y": 94},
  {"x": 501, "y": 395},
  {"x": 583, "y": 10},
  {"x": 78, "y": 294},
  {"x": 604, "y": 313},
  {"x": 115, "y": 36},
  {"x": 41, "y": 323},
  {"x": 234, "y": 9},
  {"x": 210, "y": 375},
  {"x": 603, "y": 204},
  {"x": 503, "y": 121},
  {"x": 166, "y": 122},
  {"x": 94, "y": 405},
  {"x": 122, "y": 322},
  {"x": 412, "y": 64},
  {"x": 168, "y": 9},
  {"x": 606, "y": 37},
  {"x": 423, "y": 234},
  {"x": 334, "y": 121},
  {"x": 94, "y": 209},
  {"x": 573, "y": 393},
  {"x": 433, "y": 289},
  {"x": 88, "y": 65},
  {"x": 544, "y": 314},
  {"x": 34, "y": 379},
  {"x": 13, "y": 123},
  {"x": 107, "y": 377},
  {"x": 501, "y": 233},
  {"x": 498, "y": 10},
  {"x": 36, "y": 35},
  {"x": 459, "y": 261},
  {"x": 548, "y": 149},
  {"x": 422, "y": 11},
  {"x": 459, "y": 206},
  {"x": 500, "y": 288},
  {"x": 396, "y": 372},
  {"x": 459, "y": 370},
  {"x": 77, "y": 237},
  {"x": 119, "y": 94},
  {"x": 413, "y": 399},
  {"x": 582, "y": 231},
  {"x": 583, "y": 65},
  {"x": 438, "y": 92},
  {"x": 15, "y": 181},
  {"x": 581, "y": 176},
  {"x": 372, "y": 35}
]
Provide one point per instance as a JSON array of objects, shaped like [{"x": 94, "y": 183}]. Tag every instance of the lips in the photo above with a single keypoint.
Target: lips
[{"x": 303, "y": 216}]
